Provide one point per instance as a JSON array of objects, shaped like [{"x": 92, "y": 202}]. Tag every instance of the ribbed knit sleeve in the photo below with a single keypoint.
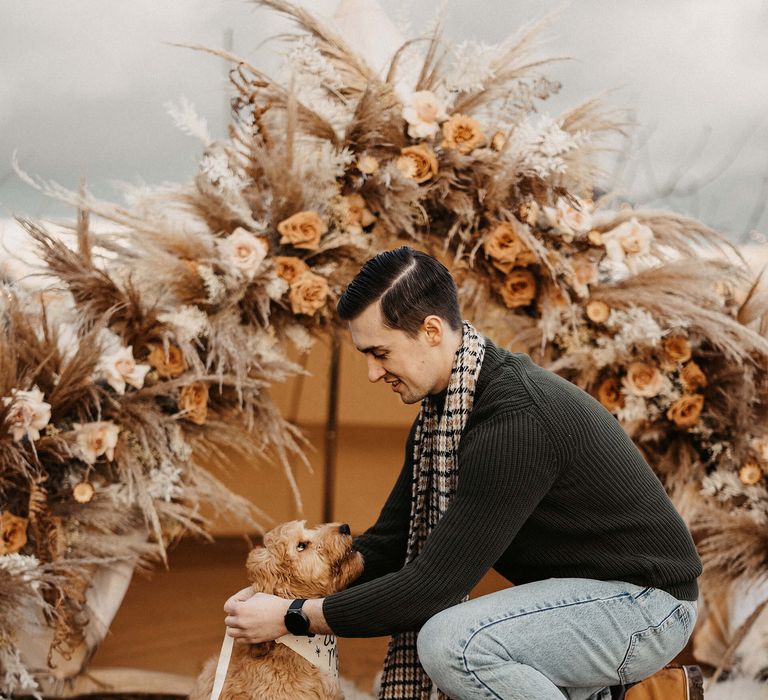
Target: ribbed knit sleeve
[{"x": 506, "y": 466}]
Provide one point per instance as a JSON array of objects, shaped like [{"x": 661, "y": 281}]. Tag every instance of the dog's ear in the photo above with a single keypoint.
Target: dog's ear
[{"x": 262, "y": 569}]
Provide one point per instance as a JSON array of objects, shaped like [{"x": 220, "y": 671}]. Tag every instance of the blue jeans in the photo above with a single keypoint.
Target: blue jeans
[{"x": 562, "y": 637}]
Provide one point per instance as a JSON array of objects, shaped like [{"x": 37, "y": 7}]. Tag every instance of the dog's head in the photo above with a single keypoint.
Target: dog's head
[{"x": 299, "y": 562}]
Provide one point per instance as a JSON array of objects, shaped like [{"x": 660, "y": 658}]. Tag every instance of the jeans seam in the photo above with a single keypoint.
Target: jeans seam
[{"x": 511, "y": 617}]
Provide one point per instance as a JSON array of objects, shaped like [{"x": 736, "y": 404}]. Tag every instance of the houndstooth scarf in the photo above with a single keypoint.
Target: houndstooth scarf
[{"x": 435, "y": 475}]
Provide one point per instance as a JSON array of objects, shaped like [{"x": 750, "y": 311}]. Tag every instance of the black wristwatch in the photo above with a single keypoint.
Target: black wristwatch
[{"x": 296, "y": 622}]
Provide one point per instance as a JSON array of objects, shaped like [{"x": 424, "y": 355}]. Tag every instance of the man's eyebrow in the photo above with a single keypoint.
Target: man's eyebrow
[{"x": 372, "y": 348}]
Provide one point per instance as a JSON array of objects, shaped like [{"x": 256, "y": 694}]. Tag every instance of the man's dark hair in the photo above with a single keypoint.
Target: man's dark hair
[{"x": 411, "y": 286}]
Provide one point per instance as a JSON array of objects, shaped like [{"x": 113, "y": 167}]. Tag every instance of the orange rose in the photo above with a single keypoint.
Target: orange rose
[
  {"x": 463, "y": 133},
  {"x": 289, "y": 267},
  {"x": 418, "y": 163},
  {"x": 677, "y": 349},
  {"x": 171, "y": 365},
  {"x": 13, "y": 533},
  {"x": 505, "y": 247},
  {"x": 685, "y": 412},
  {"x": 609, "y": 393},
  {"x": 750, "y": 474},
  {"x": 302, "y": 230},
  {"x": 308, "y": 293},
  {"x": 518, "y": 288},
  {"x": 692, "y": 378},
  {"x": 643, "y": 380},
  {"x": 598, "y": 311},
  {"x": 194, "y": 402}
]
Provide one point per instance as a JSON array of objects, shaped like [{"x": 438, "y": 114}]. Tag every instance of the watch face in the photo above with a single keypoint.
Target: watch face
[{"x": 296, "y": 622}]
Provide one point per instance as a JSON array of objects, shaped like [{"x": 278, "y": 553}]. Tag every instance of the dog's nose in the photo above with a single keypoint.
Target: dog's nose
[{"x": 344, "y": 529}]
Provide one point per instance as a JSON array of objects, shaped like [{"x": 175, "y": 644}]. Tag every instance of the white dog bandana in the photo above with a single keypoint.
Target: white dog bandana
[{"x": 319, "y": 650}]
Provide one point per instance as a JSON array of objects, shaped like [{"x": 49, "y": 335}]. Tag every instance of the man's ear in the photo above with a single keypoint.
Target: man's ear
[
  {"x": 262, "y": 569},
  {"x": 433, "y": 329}
]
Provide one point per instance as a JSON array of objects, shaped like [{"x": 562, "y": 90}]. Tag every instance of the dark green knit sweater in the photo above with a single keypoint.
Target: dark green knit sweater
[{"x": 550, "y": 486}]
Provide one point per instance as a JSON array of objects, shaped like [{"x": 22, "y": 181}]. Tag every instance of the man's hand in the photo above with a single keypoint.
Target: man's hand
[{"x": 255, "y": 617}]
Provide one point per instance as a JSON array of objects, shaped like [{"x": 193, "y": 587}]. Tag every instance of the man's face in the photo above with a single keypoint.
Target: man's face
[{"x": 409, "y": 365}]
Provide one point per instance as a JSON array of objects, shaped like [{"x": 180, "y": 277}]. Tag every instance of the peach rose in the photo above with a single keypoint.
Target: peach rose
[
  {"x": 463, "y": 133},
  {"x": 629, "y": 238},
  {"x": 244, "y": 251},
  {"x": 692, "y": 378},
  {"x": 171, "y": 365},
  {"x": 28, "y": 413},
  {"x": 417, "y": 163},
  {"x": 119, "y": 368},
  {"x": 302, "y": 230},
  {"x": 676, "y": 348},
  {"x": 643, "y": 379},
  {"x": 505, "y": 248},
  {"x": 598, "y": 311},
  {"x": 609, "y": 393},
  {"x": 424, "y": 112},
  {"x": 194, "y": 402},
  {"x": 367, "y": 164},
  {"x": 750, "y": 474},
  {"x": 289, "y": 267},
  {"x": 518, "y": 289},
  {"x": 96, "y": 439},
  {"x": 685, "y": 412},
  {"x": 13, "y": 532},
  {"x": 308, "y": 293},
  {"x": 356, "y": 215}
]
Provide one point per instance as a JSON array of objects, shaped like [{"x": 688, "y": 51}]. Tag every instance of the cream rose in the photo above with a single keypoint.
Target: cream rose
[
  {"x": 505, "y": 248},
  {"x": 643, "y": 379},
  {"x": 289, "y": 267},
  {"x": 424, "y": 112},
  {"x": 518, "y": 289},
  {"x": 498, "y": 141},
  {"x": 193, "y": 401},
  {"x": 417, "y": 163},
  {"x": 308, "y": 293},
  {"x": 568, "y": 219},
  {"x": 629, "y": 238},
  {"x": 584, "y": 273},
  {"x": 96, "y": 439},
  {"x": 119, "y": 368},
  {"x": 609, "y": 393},
  {"x": 244, "y": 251},
  {"x": 303, "y": 230},
  {"x": 685, "y": 412},
  {"x": 28, "y": 413},
  {"x": 13, "y": 532},
  {"x": 463, "y": 133},
  {"x": 171, "y": 364}
]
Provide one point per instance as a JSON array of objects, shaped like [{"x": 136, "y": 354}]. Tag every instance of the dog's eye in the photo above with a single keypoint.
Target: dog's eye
[{"x": 301, "y": 546}]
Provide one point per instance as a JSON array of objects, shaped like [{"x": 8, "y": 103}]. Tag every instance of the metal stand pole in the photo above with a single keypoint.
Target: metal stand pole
[{"x": 331, "y": 428}]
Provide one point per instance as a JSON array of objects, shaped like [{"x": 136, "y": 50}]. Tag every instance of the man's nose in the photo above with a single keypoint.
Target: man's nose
[{"x": 375, "y": 370}]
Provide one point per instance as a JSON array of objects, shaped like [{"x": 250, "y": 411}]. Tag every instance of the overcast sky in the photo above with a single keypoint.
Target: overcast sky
[{"x": 83, "y": 87}]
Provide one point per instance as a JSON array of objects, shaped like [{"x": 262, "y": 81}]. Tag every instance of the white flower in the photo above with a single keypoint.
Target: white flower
[
  {"x": 276, "y": 287},
  {"x": 629, "y": 238},
  {"x": 28, "y": 413},
  {"x": 96, "y": 439},
  {"x": 568, "y": 219},
  {"x": 244, "y": 251},
  {"x": 424, "y": 112},
  {"x": 165, "y": 482},
  {"x": 188, "y": 323},
  {"x": 542, "y": 145},
  {"x": 119, "y": 368}
]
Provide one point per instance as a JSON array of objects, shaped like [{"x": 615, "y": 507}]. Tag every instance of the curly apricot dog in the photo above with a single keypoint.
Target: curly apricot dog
[{"x": 295, "y": 562}]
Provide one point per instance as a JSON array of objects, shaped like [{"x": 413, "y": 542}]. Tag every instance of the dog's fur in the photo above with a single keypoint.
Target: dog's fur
[{"x": 295, "y": 562}]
